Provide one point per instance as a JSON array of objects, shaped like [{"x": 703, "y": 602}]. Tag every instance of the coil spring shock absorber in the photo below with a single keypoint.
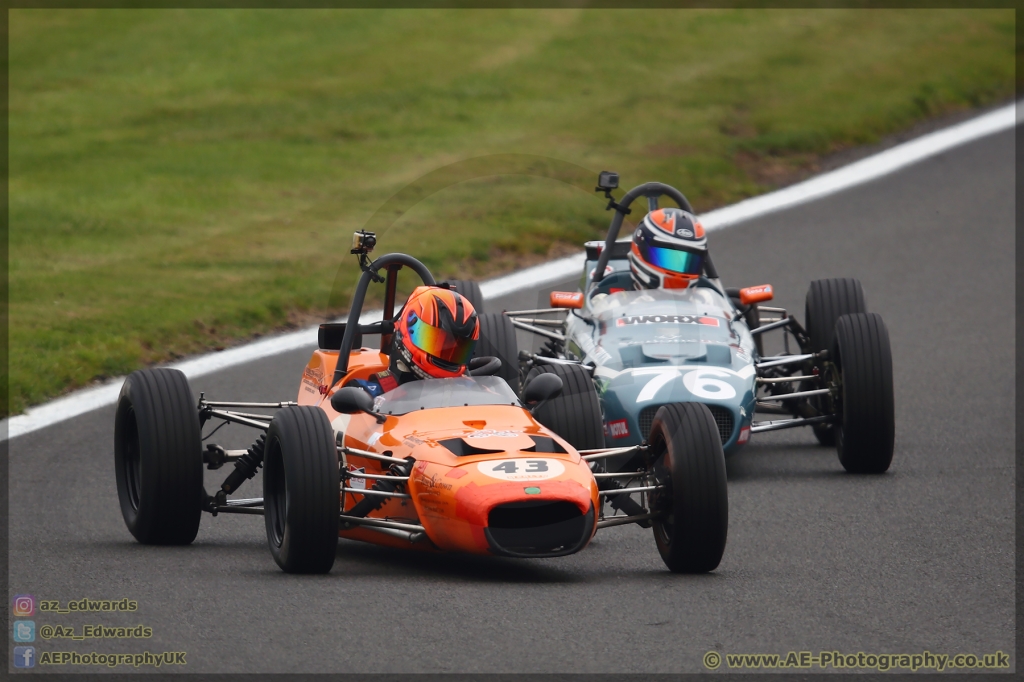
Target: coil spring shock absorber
[{"x": 246, "y": 467}]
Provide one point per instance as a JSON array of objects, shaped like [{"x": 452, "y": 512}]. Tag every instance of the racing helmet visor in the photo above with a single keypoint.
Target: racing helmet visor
[
  {"x": 439, "y": 342},
  {"x": 673, "y": 260}
]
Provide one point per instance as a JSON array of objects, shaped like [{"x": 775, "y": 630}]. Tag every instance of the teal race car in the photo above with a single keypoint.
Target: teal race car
[{"x": 631, "y": 354}]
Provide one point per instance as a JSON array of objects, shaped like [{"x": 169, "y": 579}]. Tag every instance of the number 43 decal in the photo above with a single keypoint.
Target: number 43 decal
[
  {"x": 531, "y": 465},
  {"x": 521, "y": 469}
]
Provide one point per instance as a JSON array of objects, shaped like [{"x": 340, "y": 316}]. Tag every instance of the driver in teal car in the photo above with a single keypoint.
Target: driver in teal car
[{"x": 669, "y": 250}]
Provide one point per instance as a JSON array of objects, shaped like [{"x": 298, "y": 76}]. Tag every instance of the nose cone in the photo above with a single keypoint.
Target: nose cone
[{"x": 510, "y": 504}]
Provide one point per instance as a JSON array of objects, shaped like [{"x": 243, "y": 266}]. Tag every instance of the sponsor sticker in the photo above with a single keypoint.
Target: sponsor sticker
[
  {"x": 744, "y": 435},
  {"x": 521, "y": 469},
  {"x": 491, "y": 433},
  {"x": 667, "y": 319},
  {"x": 356, "y": 483},
  {"x": 617, "y": 429}
]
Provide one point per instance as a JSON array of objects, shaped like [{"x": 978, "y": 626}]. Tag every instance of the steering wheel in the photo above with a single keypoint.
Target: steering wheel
[
  {"x": 651, "y": 190},
  {"x": 484, "y": 366}
]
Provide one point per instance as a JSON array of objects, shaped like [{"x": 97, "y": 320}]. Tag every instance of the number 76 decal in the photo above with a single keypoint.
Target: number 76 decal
[
  {"x": 521, "y": 469},
  {"x": 702, "y": 383}
]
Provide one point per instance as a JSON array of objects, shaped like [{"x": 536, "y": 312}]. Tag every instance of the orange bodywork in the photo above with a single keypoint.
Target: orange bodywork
[
  {"x": 452, "y": 497},
  {"x": 566, "y": 299},
  {"x": 758, "y": 294}
]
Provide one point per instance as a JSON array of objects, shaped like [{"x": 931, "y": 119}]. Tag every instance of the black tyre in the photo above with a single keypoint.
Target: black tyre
[
  {"x": 866, "y": 430},
  {"x": 827, "y": 300},
  {"x": 158, "y": 457},
  {"x": 694, "y": 522},
  {"x": 470, "y": 290},
  {"x": 575, "y": 414},
  {"x": 498, "y": 339},
  {"x": 301, "y": 490}
]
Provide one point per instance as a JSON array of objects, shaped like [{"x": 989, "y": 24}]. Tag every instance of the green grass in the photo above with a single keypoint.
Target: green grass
[{"x": 186, "y": 179}]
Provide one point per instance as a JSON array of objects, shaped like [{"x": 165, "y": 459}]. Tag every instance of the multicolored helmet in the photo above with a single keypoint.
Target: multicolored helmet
[
  {"x": 669, "y": 249},
  {"x": 436, "y": 333}
]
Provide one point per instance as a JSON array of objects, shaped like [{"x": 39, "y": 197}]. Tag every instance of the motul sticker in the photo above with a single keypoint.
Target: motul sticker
[
  {"x": 521, "y": 469},
  {"x": 744, "y": 435},
  {"x": 666, "y": 319},
  {"x": 617, "y": 429}
]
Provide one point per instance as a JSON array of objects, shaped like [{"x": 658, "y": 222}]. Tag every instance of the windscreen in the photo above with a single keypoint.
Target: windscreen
[{"x": 458, "y": 392}]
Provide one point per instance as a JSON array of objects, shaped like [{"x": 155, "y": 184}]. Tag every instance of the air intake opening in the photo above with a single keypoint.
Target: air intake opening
[{"x": 538, "y": 528}]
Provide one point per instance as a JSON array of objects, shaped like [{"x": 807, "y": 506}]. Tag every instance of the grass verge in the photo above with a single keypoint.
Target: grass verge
[{"x": 182, "y": 180}]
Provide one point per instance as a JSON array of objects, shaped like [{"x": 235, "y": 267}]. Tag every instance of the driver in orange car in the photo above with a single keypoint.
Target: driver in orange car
[{"x": 434, "y": 338}]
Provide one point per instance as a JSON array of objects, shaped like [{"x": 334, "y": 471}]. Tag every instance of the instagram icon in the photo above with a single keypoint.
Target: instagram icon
[{"x": 24, "y": 605}]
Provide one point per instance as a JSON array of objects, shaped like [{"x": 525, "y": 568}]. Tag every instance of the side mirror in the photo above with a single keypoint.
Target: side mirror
[
  {"x": 352, "y": 399},
  {"x": 758, "y": 294},
  {"x": 607, "y": 180},
  {"x": 541, "y": 389},
  {"x": 566, "y": 299}
]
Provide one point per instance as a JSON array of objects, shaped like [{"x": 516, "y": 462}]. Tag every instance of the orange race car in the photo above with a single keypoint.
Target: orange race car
[{"x": 457, "y": 464}]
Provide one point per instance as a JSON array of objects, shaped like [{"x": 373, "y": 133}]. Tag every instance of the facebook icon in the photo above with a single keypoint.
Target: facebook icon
[{"x": 24, "y": 657}]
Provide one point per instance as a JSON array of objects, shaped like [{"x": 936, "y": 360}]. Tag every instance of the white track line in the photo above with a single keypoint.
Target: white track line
[{"x": 857, "y": 173}]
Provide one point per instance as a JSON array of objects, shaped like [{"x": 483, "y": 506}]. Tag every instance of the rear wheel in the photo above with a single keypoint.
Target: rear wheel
[
  {"x": 470, "y": 290},
  {"x": 693, "y": 523},
  {"x": 158, "y": 457},
  {"x": 866, "y": 430},
  {"x": 498, "y": 339},
  {"x": 574, "y": 414},
  {"x": 301, "y": 490},
  {"x": 828, "y": 300}
]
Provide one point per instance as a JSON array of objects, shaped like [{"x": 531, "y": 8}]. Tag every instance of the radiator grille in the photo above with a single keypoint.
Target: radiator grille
[{"x": 723, "y": 418}]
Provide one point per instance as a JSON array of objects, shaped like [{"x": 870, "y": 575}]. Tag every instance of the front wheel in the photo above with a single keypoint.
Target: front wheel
[
  {"x": 158, "y": 457},
  {"x": 865, "y": 432},
  {"x": 693, "y": 507},
  {"x": 827, "y": 300},
  {"x": 301, "y": 490}
]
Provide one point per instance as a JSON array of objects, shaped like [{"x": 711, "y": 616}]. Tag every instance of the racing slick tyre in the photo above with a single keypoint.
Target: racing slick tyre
[
  {"x": 301, "y": 490},
  {"x": 693, "y": 523},
  {"x": 827, "y": 300},
  {"x": 498, "y": 339},
  {"x": 470, "y": 290},
  {"x": 574, "y": 414},
  {"x": 158, "y": 457},
  {"x": 867, "y": 423}
]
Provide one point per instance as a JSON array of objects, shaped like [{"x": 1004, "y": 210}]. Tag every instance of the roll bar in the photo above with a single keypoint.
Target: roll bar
[
  {"x": 651, "y": 190},
  {"x": 393, "y": 262}
]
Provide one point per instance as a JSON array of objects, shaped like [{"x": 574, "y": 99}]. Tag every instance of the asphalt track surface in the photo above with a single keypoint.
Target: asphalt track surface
[{"x": 920, "y": 558}]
